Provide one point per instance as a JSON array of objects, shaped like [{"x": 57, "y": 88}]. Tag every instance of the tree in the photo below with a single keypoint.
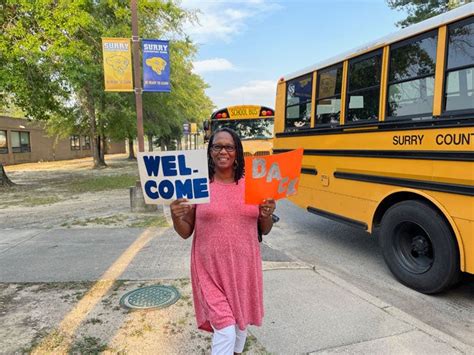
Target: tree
[
  {"x": 419, "y": 10},
  {"x": 164, "y": 116},
  {"x": 4, "y": 180},
  {"x": 51, "y": 62}
]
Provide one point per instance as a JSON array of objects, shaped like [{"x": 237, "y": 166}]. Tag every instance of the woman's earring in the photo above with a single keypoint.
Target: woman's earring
[{"x": 236, "y": 164}]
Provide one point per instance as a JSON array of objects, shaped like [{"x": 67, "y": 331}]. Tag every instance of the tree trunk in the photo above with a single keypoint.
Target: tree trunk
[
  {"x": 162, "y": 144},
  {"x": 100, "y": 153},
  {"x": 131, "y": 153},
  {"x": 104, "y": 148},
  {"x": 90, "y": 104},
  {"x": 4, "y": 180},
  {"x": 150, "y": 143}
]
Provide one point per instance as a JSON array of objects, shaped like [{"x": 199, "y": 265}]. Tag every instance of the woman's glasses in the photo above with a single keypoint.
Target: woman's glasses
[{"x": 217, "y": 148}]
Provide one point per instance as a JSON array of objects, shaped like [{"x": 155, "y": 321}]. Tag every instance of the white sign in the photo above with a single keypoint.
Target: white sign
[{"x": 167, "y": 176}]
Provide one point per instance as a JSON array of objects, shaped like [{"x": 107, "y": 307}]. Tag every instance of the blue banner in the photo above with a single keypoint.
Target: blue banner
[{"x": 156, "y": 65}]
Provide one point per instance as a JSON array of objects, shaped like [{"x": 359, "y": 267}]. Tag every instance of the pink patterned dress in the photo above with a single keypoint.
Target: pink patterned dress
[{"x": 226, "y": 266}]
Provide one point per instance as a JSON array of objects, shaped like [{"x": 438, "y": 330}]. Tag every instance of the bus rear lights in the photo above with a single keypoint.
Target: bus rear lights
[{"x": 221, "y": 115}]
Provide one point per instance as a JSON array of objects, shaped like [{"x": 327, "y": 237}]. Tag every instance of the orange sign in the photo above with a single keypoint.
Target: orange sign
[{"x": 272, "y": 176}]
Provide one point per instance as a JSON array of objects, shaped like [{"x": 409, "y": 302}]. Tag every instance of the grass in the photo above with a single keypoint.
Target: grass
[
  {"x": 57, "y": 191},
  {"x": 105, "y": 221},
  {"x": 253, "y": 344},
  {"x": 88, "y": 345},
  {"x": 40, "y": 200},
  {"x": 30, "y": 198},
  {"x": 153, "y": 221},
  {"x": 100, "y": 183}
]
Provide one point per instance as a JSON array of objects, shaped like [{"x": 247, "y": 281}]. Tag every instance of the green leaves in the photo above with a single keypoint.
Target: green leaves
[
  {"x": 51, "y": 66},
  {"x": 419, "y": 10}
]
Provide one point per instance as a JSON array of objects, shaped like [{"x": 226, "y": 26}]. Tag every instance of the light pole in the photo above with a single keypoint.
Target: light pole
[{"x": 137, "y": 75}]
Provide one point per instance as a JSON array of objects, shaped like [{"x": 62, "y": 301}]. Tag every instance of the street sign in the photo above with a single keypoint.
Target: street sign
[{"x": 186, "y": 129}]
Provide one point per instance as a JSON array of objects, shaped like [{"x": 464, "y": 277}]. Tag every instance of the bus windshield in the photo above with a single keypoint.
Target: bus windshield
[{"x": 246, "y": 129}]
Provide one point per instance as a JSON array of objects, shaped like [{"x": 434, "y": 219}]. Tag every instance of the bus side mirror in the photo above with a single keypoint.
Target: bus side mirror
[{"x": 205, "y": 125}]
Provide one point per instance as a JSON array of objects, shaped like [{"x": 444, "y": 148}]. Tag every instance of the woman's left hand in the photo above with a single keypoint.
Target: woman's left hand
[{"x": 266, "y": 208}]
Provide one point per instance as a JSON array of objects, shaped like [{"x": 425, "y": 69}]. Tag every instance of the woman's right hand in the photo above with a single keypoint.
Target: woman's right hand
[{"x": 179, "y": 208}]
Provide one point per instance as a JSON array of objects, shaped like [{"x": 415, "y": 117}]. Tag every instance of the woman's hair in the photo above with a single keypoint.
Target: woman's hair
[{"x": 239, "y": 154}]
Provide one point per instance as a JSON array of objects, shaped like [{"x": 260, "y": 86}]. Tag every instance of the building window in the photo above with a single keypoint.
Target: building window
[
  {"x": 459, "y": 88},
  {"x": 411, "y": 77},
  {"x": 86, "y": 143},
  {"x": 363, "y": 90},
  {"x": 20, "y": 142},
  {"x": 75, "y": 143},
  {"x": 328, "y": 102},
  {"x": 3, "y": 142},
  {"x": 298, "y": 103}
]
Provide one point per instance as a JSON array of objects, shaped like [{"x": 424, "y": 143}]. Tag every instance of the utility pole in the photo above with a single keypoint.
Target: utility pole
[{"x": 137, "y": 75}]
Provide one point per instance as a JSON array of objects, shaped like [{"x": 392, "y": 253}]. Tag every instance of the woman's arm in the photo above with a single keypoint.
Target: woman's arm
[
  {"x": 265, "y": 220},
  {"x": 183, "y": 216}
]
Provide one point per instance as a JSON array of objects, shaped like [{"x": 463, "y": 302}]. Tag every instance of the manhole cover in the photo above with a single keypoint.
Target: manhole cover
[{"x": 150, "y": 297}]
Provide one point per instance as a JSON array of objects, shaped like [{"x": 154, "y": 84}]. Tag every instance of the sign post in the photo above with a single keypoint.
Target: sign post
[
  {"x": 137, "y": 75},
  {"x": 186, "y": 129},
  {"x": 194, "y": 133}
]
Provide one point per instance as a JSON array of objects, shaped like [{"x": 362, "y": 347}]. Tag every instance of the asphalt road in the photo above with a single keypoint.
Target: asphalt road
[{"x": 355, "y": 256}]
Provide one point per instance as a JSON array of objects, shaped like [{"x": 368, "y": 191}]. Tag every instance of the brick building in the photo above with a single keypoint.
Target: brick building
[{"x": 23, "y": 141}]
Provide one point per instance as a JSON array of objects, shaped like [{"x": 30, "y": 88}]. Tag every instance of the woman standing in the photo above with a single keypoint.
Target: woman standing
[{"x": 226, "y": 266}]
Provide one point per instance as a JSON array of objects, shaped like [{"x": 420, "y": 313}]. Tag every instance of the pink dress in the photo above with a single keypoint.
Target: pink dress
[{"x": 226, "y": 266}]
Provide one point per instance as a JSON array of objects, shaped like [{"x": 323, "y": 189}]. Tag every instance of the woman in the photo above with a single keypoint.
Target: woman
[{"x": 226, "y": 267}]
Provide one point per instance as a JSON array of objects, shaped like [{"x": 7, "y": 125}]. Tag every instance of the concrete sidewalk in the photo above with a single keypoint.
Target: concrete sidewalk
[
  {"x": 313, "y": 311},
  {"x": 308, "y": 310}
]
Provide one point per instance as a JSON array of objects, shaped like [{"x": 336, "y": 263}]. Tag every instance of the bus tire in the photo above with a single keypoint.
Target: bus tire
[{"x": 419, "y": 247}]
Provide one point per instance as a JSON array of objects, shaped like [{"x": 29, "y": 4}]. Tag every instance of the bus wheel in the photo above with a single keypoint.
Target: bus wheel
[{"x": 418, "y": 247}]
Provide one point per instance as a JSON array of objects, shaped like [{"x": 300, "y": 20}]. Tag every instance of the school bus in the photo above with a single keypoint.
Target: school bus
[
  {"x": 388, "y": 136},
  {"x": 252, "y": 123}
]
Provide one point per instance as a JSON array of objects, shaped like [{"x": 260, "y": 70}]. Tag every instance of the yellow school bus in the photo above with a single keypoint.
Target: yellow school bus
[
  {"x": 253, "y": 124},
  {"x": 388, "y": 137}
]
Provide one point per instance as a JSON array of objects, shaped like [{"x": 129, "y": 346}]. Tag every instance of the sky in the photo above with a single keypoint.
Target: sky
[{"x": 246, "y": 46}]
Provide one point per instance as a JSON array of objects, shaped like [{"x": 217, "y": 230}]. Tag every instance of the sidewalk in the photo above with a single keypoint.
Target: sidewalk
[
  {"x": 308, "y": 310},
  {"x": 313, "y": 311}
]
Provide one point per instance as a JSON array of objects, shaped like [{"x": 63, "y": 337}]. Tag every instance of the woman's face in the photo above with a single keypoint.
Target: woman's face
[{"x": 225, "y": 156}]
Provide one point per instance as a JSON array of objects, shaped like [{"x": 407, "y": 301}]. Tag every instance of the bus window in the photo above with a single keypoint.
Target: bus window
[
  {"x": 459, "y": 91},
  {"x": 364, "y": 88},
  {"x": 328, "y": 103},
  {"x": 411, "y": 77},
  {"x": 409, "y": 181},
  {"x": 298, "y": 103}
]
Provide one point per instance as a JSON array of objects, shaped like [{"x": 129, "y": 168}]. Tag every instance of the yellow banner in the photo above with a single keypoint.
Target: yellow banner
[{"x": 117, "y": 64}]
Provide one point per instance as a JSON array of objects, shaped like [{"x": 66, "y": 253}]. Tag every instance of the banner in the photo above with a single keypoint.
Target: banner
[
  {"x": 117, "y": 64},
  {"x": 169, "y": 175},
  {"x": 272, "y": 176},
  {"x": 156, "y": 65}
]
